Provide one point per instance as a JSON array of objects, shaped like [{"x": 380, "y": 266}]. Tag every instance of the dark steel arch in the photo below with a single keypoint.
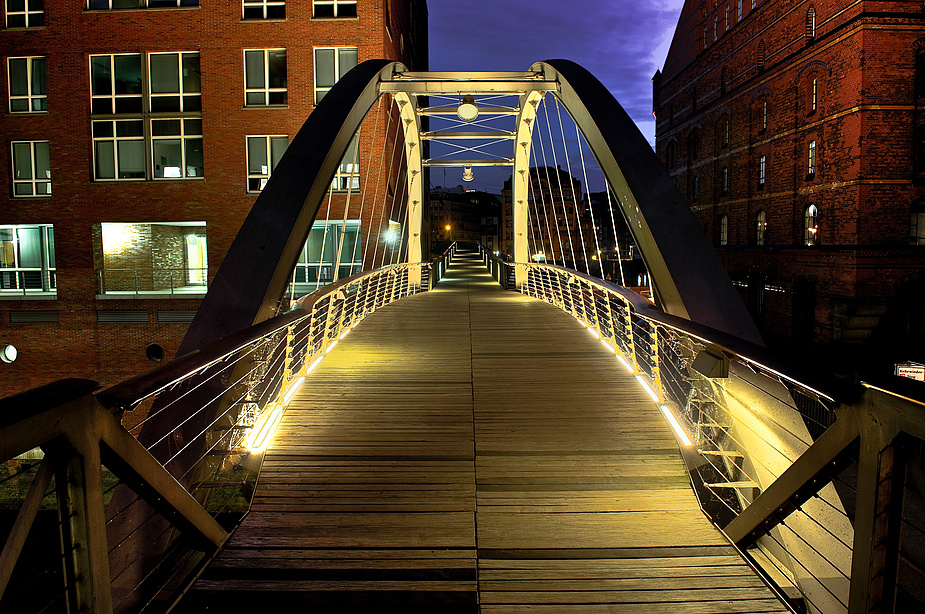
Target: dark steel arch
[{"x": 688, "y": 278}]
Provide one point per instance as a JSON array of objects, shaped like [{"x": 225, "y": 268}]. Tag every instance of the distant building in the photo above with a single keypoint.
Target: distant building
[
  {"x": 139, "y": 134},
  {"x": 560, "y": 228},
  {"x": 796, "y": 131},
  {"x": 459, "y": 214}
]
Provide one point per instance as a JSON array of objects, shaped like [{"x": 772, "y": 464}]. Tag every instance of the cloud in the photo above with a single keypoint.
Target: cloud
[{"x": 622, "y": 42}]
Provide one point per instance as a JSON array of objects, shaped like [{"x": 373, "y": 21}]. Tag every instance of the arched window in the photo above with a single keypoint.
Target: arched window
[
  {"x": 761, "y": 228},
  {"x": 810, "y": 24},
  {"x": 811, "y": 159},
  {"x": 810, "y": 225},
  {"x": 813, "y": 95},
  {"x": 739, "y": 11},
  {"x": 724, "y": 229},
  {"x": 764, "y": 115},
  {"x": 725, "y": 139},
  {"x": 761, "y": 54}
]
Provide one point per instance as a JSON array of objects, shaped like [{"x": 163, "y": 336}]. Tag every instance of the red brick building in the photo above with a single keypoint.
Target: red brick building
[
  {"x": 139, "y": 133},
  {"x": 796, "y": 130}
]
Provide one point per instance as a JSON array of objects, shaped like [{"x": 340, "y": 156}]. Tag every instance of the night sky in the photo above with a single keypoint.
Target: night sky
[{"x": 622, "y": 42}]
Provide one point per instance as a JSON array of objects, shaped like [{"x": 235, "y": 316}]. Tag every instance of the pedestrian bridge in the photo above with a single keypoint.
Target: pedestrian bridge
[{"x": 464, "y": 434}]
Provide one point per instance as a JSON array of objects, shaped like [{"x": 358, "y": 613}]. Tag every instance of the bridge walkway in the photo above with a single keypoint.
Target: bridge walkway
[{"x": 471, "y": 449}]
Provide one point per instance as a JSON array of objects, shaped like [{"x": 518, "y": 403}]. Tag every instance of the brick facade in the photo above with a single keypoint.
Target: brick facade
[
  {"x": 804, "y": 112},
  {"x": 78, "y": 345}
]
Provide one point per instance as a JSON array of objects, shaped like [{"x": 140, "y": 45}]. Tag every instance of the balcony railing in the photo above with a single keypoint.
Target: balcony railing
[
  {"x": 27, "y": 281},
  {"x": 152, "y": 281}
]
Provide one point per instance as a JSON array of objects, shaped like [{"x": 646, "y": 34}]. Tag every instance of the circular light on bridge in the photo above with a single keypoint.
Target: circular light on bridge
[
  {"x": 8, "y": 353},
  {"x": 467, "y": 111}
]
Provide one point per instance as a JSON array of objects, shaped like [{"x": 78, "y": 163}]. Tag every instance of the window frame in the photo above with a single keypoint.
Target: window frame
[
  {"x": 261, "y": 178},
  {"x": 761, "y": 228},
  {"x": 762, "y": 171},
  {"x": 28, "y": 16},
  {"x": 724, "y": 185},
  {"x": 810, "y": 225},
  {"x": 345, "y": 171},
  {"x": 811, "y": 159},
  {"x": 190, "y": 109},
  {"x": 267, "y": 9},
  {"x": 30, "y": 97},
  {"x": 335, "y": 7},
  {"x": 92, "y": 5},
  {"x": 724, "y": 230},
  {"x": 266, "y": 90},
  {"x": 32, "y": 180},
  {"x": 13, "y": 278},
  {"x": 338, "y": 72}
]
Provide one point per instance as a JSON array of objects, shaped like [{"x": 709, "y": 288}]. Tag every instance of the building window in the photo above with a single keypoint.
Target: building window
[
  {"x": 754, "y": 2},
  {"x": 761, "y": 54},
  {"x": 334, "y": 8},
  {"x": 762, "y": 171},
  {"x": 27, "y": 259},
  {"x": 813, "y": 89},
  {"x": 174, "y": 82},
  {"x": 725, "y": 181},
  {"x": 811, "y": 160},
  {"x": 31, "y": 169},
  {"x": 715, "y": 28},
  {"x": 124, "y": 148},
  {"x": 695, "y": 188},
  {"x": 106, "y": 5},
  {"x": 810, "y": 225},
  {"x": 265, "y": 77},
  {"x": 263, "y": 154},
  {"x": 810, "y": 23},
  {"x": 177, "y": 148},
  {"x": 326, "y": 241},
  {"x": 724, "y": 229},
  {"x": 25, "y": 13},
  {"x": 27, "y": 84},
  {"x": 119, "y": 149},
  {"x": 917, "y": 224},
  {"x": 161, "y": 258},
  {"x": 726, "y": 132},
  {"x": 264, "y": 9},
  {"x": 330, "y": 65},
  {"x": 739, "y": 11},
  {"x": 764, "y": 115},
  {"x": 727, "y": 19},
  {"x": 706, "y": 35},
  {"x": 347, "y": 176},
  {"x": 116, "y": 84},
  {"x": 761, "y": 228}
]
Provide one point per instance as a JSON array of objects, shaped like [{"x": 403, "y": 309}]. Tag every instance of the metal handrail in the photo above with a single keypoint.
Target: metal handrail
[
  {"x": 163, "y": 485},
  {"x": 768, "y": 451}
]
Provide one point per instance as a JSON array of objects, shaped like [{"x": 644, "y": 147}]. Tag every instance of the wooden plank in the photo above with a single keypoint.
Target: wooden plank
[{"x": 470, "y": 449}]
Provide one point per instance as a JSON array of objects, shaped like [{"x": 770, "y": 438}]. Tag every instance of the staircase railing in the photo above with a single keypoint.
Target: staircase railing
[
  {"x": 115, "y": 500},
  {"x": 822, "y": 496}
]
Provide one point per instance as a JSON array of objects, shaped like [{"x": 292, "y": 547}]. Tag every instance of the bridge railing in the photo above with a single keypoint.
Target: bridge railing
[
  {"x": 823, "y": 498},
  {"x": 113, "y": 503}
]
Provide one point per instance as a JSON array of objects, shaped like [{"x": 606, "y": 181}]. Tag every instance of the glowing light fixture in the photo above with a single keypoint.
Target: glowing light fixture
[
  {"x": 344, "y": 334},
  {"x": 610, "y": 347},
  {"x": 8, "y": 353},
  {"x": 467, "y": 173},
  {"x": 331, "y": 347},
  {"x": 261, "y": 434},
  {"x": 467, "y": 111},
  {"x": 293, "y": 390},
  {"x": 314, "y": 364},
  {"x": 647, "y": 388},
  {"x": 676, "y": 426},
  {"x": 596, "y": 334},
  {"x": 626, "y": 364}
]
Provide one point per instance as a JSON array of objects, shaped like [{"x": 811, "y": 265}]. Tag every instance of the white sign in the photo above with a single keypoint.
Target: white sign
[{"x": 911, "y": 370}]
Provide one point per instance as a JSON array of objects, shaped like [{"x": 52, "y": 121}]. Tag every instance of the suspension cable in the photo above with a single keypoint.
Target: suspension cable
[
  {"x": 584, "y": 169},
  {"x": 343, "y": 224},
  {"x": 555, "y": 161},
  {"x": 568, "y": 165},
  {"x": 616, "y": 238},
  {"x": 381, "y": 206}
]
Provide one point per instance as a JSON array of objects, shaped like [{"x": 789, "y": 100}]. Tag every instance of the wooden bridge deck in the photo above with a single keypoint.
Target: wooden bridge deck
[{"x": 471, "y": 449}]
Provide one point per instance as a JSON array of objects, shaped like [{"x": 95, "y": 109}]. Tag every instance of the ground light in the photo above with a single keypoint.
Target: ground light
[
  {"x": 676, "y": 426},
  {"x": 626, "y": 364},
  {"x": 647, "y": 388}
]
